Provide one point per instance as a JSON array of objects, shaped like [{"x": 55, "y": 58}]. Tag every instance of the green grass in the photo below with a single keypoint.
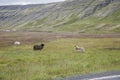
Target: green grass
[
  {"x": 59, "y": 59},
  {"x": 73, "y": 24},
  {"x": 89, "y": 24},
  {"x": 115, "y": 17},
  {"x": 34, "y": 25}
]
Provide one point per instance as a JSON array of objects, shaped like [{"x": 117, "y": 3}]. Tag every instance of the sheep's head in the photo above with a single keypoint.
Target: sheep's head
[
  {"x": 76, "y": 46},
  {"x": 41, "y": 44},
  {"x": 80, "y": 49}
]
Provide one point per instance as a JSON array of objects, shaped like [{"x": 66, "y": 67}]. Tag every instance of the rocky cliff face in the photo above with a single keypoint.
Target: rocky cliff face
[{"x": 90, "y": 16}]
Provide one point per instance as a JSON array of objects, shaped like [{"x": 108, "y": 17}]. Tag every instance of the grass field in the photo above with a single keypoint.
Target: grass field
[{"x": 59, "y": 59}]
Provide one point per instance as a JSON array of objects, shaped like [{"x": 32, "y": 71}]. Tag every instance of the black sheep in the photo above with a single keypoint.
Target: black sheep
[{"x": 38, "y": 47}]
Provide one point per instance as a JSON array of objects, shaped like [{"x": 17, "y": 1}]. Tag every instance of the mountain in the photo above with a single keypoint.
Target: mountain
[{"x": 83, "y": 16}]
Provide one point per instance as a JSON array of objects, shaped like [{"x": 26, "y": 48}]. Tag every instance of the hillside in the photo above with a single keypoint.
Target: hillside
[{"x": 84, "y": 16}]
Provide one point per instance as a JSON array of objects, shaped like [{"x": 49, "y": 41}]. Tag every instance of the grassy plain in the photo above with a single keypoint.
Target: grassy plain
[{"x": 58, "y": 58}]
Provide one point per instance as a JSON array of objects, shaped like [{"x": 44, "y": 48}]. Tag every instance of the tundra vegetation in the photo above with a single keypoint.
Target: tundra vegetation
[
  {"x": 64, "y": 23},
  {"x": 58, "y": 58},
  {"x": 85, "y": 16}
]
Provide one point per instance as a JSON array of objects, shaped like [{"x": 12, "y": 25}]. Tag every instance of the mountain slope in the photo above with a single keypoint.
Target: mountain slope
[{"x": 86, "y": 16}]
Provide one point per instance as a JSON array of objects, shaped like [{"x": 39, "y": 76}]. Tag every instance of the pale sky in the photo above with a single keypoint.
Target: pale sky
[{"x": 24, "y": 2}]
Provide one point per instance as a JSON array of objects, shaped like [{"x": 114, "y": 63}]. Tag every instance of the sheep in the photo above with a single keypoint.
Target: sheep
[
  {"x": 80, "y": 49},
  {"x": 17, "y": 43},
  {"x": 38, "y": 47}
]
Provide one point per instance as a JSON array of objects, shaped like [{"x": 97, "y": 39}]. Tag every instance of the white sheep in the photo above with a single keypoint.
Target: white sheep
[
  {"x": 80, "y": 49},
  {"x": 17, "y": 43}
]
